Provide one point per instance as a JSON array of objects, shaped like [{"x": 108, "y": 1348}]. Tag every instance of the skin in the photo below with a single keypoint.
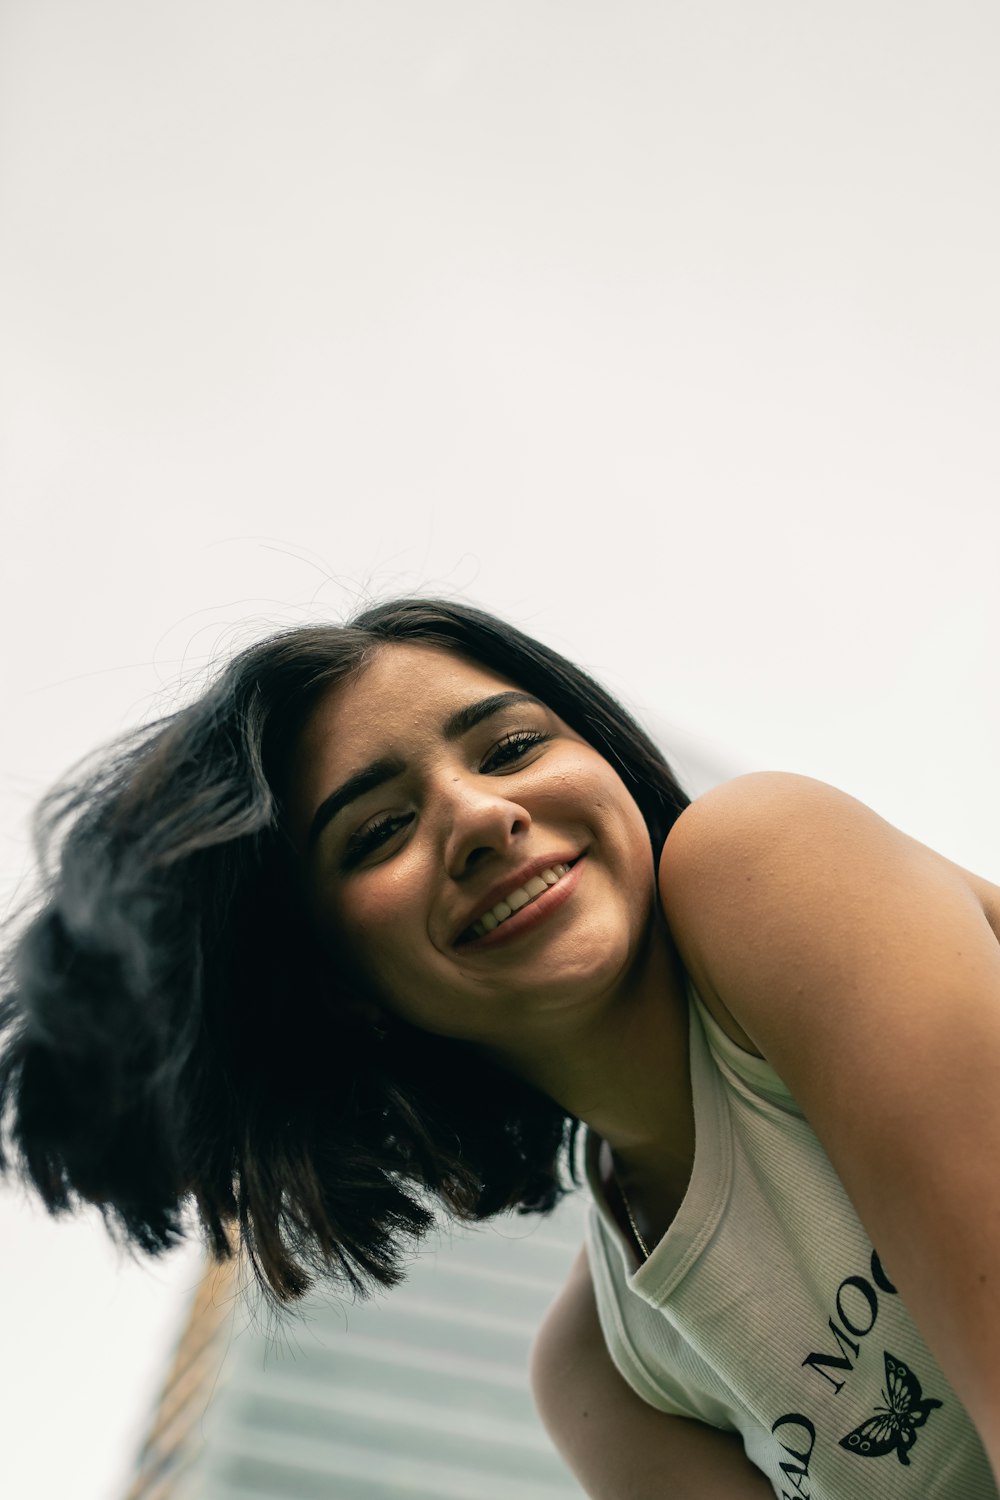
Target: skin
[
  {"x": 588, "y": 1003},
  {"x": 863, "y": 966},
  {"x": 866, "y": 968}
]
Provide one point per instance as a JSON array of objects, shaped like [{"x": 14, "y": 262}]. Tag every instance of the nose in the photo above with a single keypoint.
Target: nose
[{"x": 480, "y": 822}]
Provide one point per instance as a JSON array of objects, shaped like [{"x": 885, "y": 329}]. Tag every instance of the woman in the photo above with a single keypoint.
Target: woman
[{"x": 395, "y": 907}]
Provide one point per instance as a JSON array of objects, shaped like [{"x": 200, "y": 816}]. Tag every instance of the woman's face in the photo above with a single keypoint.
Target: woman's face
[{"x": 484, "y": 869}]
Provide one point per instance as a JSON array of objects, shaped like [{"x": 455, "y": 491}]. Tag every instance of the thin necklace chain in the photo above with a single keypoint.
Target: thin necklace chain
[{"x": 635, "y": 1228}]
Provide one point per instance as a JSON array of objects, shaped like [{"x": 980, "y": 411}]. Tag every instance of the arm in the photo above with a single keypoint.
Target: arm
[
  {"x": 864, "y": 968},
  {"x": 618, "y": 1446}
]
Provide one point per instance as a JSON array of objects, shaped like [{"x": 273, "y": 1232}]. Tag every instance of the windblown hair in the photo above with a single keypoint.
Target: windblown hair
[{"x": 173, "y": 1033}]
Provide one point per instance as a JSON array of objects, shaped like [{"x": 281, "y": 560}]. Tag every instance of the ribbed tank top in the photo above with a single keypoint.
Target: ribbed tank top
[{"x": 765, "y": 1309}]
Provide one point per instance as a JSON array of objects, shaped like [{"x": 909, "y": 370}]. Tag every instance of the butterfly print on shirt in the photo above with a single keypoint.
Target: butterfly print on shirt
[{"x": 894, "y": 1425}]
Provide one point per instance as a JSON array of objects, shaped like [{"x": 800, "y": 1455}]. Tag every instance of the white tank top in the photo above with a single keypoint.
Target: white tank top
[{"x": 765, "y": 1310}]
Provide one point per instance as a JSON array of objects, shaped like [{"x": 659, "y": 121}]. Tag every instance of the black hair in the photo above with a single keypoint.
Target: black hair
[{"x": 175, "y": 1035}]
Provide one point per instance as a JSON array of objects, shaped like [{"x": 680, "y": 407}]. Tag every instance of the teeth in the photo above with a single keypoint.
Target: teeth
[{"x": 521, "y": 896}]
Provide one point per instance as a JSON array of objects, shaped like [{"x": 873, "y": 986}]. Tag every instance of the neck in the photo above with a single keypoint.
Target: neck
[{"x": 620, "y": 1064}]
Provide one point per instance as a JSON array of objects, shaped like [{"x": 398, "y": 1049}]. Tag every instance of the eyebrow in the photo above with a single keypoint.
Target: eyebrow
[{"x": 387, "y": 767}]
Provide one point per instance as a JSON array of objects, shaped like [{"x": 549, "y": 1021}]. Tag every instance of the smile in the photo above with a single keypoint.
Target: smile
[{"x": 520, "y": 896}]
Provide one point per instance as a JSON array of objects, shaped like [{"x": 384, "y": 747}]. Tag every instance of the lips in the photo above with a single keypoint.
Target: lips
[
  {"x": 518, "y": 899},
  {"x": 515, "y": 891}
]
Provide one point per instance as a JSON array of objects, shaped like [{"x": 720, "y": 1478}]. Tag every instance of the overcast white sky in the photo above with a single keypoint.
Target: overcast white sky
[{"x": 669, "y": 331}]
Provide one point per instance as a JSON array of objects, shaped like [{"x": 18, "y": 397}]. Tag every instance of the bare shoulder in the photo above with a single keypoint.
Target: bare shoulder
[
  {"x": 573, "y": 1378},
  {"x": 568, "y": 1330},
  {"x": 739, "y": 831},
  {"x": 616, "y": 1444},
  {"x": 750, "y": 814},
  {"x": 741, "y": 851},
  {"x": 773, "y": 875},
  {"x": 576, "y": 1389},
  {"x": 725, "y": 860},
  {"x": 866, "y": 969},
  {"x": 747, "y": 814}
]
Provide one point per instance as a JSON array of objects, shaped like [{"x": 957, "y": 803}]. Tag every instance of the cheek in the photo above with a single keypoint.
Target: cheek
[{"x": 378, "y": 925}]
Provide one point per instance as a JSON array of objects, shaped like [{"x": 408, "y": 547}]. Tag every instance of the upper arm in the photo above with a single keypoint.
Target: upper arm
[
  {"x": 618, "y": 1446},
  {"x": 863, "y": 967}
]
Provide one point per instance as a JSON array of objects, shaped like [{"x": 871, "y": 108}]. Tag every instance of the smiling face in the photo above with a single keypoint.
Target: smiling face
[{"x": 483, "y": 868}]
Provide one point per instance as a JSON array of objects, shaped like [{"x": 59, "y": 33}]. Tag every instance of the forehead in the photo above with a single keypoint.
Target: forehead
[
  {"x": 406, "y": 685},
  {"x": 402, "y": 696}
]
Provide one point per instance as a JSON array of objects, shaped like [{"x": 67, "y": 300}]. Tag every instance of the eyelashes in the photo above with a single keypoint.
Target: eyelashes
[
  {"x": 511, "y": 747},
  {"x": 372, "y": 835},
  {"x": 505, "y": 753}
]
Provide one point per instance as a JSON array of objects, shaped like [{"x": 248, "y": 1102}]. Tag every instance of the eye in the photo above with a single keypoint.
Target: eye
[
  {"x": 512, "y": 748},
  {"x": 373, "y": 835}
]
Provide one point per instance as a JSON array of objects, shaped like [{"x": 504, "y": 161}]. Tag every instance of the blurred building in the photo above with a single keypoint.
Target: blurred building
[{"x": 422, "y": 1395}]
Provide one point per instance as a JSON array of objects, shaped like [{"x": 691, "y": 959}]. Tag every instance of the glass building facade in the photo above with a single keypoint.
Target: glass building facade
[{"x": 422, "y": 1394}]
